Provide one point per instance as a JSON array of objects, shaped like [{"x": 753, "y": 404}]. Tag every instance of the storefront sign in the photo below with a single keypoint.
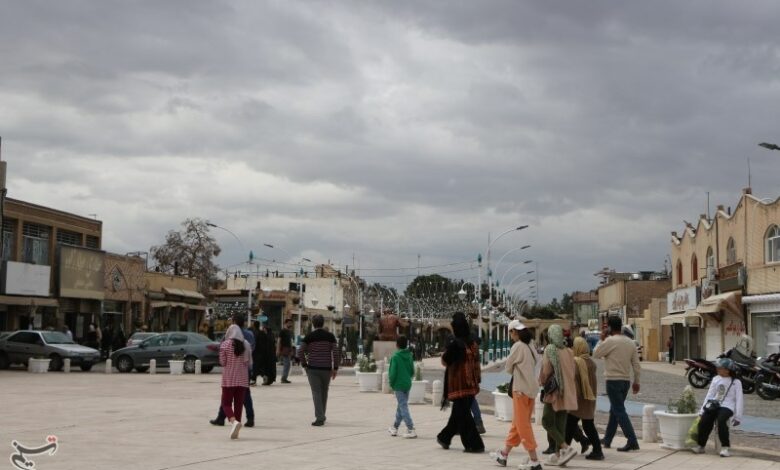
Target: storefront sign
[
  {"x": 681, "y": 300},
  {"x": 26, "y": 279},
  {"x": 82, "y": 273}
]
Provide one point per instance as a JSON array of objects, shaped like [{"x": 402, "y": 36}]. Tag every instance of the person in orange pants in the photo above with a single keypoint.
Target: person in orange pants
[{"x": 521, "y": 363}]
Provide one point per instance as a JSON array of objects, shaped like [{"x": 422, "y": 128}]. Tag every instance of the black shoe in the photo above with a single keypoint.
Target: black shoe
[
  {"x": 594, "y": 456},
  {"x": 469, "y": 450},
  {"x": 605, "y": 444},
  {"x": 216, "y": 422},
  {"x": 250, "y": 423},
  {"x": 266, "y": 383},
  {"x": 443, "y": 444},
  {"x": 285, "y": 381},
  {"x": 548, "y": 451},
  {"x": 585, "y": 446},
  {"x": 629, "y": 447},
  {"x": 318, "y": 423},
  {"x": 481, "y": 428}
]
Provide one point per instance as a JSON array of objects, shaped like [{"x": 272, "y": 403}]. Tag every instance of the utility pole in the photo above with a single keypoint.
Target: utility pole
[{"x": 3, "y": 192}]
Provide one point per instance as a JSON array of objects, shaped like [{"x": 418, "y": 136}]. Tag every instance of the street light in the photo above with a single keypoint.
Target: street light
[{"x": 769, "y": 146}]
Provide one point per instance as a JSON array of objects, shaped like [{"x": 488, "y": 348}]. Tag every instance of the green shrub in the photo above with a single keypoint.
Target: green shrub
[
  {"x": 503, "y": 388},
  {"x": 686, "y": 404}
]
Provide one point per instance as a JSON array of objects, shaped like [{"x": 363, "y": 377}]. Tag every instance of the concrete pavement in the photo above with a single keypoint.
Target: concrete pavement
[{"x": 141, "y": 421}]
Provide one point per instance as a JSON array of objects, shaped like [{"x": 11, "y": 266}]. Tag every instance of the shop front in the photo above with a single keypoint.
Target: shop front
[
  {"x": 81, "y": 288},
  {"x": 684, "y": 321},
  {"x": 764, "y": 315},
  {"x": 724, "y": 321},
  {"x": 26, "y": 300}
]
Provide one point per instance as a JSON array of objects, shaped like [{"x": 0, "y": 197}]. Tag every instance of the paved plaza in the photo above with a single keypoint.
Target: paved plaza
[{"x": 142, "y": 421}]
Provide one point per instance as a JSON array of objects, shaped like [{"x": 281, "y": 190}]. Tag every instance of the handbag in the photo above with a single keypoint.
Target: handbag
[
  {"x": 714, "y": 405},
  {"x": 550, "y": 389}
]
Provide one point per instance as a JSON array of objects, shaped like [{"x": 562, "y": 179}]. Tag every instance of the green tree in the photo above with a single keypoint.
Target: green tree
[
  {"x": 430, "y": 285},
  {"x": 189, "y": 252},
  {"x": 567, "y": 304}
]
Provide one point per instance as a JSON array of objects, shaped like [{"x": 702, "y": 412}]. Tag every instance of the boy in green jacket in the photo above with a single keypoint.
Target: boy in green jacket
[{"x": 400, "y": 378}]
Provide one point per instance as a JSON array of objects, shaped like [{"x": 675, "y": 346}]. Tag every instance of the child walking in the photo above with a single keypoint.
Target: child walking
[{"x": 400, "y": 378}]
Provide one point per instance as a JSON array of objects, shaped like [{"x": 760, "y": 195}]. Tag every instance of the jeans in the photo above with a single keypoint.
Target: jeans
[
  {"x": 554, "y": 422},
  {"x": 402, "y": 410},
  {"x": 319, "y": 381},
  {"x": 707, "y": 422},
  {"x": 617, "y": 391},
  {"x": 462, "y": 422},
  {"x": 476, "y": 412},
  {"x": 248, "y": 405},
  {"x": 286, "y": 361}
]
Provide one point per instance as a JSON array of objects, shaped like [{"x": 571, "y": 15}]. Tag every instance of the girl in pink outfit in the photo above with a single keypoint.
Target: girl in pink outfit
[{"x": 235, "y": 357}]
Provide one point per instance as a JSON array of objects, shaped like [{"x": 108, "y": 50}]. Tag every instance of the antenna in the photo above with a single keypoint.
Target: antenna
[
  {"x": 708, "y": 206},
  {"x": 749, "y": 174}
]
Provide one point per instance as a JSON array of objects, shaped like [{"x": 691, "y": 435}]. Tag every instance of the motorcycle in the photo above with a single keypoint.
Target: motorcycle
[
  {"x": 699, "y": 372},
  {"x": 768, "y": 378},
  {"x": 746, "y": 369}
]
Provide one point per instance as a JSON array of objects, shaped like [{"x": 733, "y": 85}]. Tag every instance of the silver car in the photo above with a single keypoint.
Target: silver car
[
  {"x": 137, "y": 337},
  {"x": 165, "y": 346},
  {"x": 19, "y": 347}
]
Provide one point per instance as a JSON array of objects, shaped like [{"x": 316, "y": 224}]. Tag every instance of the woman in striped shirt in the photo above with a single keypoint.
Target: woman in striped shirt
[{"x": 235, "y": 357}]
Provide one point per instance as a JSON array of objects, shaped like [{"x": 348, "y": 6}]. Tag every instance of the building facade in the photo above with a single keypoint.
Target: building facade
[{"x": 586, "y": 307}]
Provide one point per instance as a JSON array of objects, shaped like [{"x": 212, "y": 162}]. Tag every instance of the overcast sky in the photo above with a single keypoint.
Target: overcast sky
[{"x": 384, "y": 130}]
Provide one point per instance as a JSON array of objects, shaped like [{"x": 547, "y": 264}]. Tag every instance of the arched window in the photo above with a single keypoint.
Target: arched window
[
  {"x": 710, "y": 258},
  {"x": 772, "y": 253},
  {"x": 694, "y": 268},
  {"x": 679, "y": 273},
  {"x": 731, "y": 251}
]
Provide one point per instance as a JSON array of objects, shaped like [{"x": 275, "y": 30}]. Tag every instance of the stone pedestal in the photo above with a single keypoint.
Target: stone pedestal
[{"x": 383, "y": 350}]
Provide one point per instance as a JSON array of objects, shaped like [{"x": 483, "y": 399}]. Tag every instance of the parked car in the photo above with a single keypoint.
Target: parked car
[
  {"x": 162, "y": 347},
  {"x": 20, "y": 346},
  {"x": 138, "y": 336}
]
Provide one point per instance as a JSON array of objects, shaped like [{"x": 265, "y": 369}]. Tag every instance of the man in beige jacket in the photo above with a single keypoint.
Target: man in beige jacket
[{"x": 620, "y": 357}]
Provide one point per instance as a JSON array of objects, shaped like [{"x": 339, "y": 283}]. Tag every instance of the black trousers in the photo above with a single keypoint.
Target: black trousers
[
  {"x": 462, "y": 422},
  {"x": 576, "y": 434},
  {"x": 722, "y": 416},
  {"x": 573, "y": 428}
]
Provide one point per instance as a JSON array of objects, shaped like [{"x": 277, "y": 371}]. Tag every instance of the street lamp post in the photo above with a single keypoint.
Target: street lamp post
[
  {"x": 769, "y": 146},
  {"x": 301, "y": 306}
]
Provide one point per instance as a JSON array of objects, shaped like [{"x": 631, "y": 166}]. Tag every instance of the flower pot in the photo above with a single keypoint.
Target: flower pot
[
  {"x": 417, "y": 392},
  {"x": 38, "y": 366},
  {"x": 369, "y": 381},
  {"x": 674, "y": 429},
  {"x": 503, "y": 406},
  {"x": 177, "y": 367}
]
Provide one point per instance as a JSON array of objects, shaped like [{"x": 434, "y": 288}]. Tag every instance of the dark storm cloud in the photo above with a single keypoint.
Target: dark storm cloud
[{"x": 388, "y": 129}]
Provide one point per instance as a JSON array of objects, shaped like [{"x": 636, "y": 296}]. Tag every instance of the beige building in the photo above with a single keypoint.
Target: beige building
[
  {"x": 733, "y": 260},
  {"x": 174, "y": 303}
]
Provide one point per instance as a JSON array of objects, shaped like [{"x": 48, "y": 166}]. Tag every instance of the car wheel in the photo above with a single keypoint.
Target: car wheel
[
  {"x": 141, "y": 369},
  {"x": 189, "y": 364},
  {"x": 124, "y": 363},
  {"x": 56, "y": 362},
  {"x": 4, "y": 364},
  {"x": 86, "y": 367},
  {"x": 206, "y": 369}
]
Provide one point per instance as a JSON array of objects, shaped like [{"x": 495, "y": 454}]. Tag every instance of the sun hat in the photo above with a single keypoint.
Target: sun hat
[{"x": 516, "y": 325}]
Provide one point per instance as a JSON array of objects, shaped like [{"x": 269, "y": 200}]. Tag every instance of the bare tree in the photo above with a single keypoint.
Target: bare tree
[{"x": 189, "y": 252}]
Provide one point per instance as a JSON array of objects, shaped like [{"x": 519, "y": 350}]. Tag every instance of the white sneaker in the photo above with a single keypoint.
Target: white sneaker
[
  {"x": 552, "y": 460},
  {"x": 724, "y": 452},
  {"x": 392, "y": 431},
  {"x": 566, "y": 455},
  {"x": 499, "y": 457},
  {"x": 235, "y": 429},
  {"x": 409, "y": 434},
  {"x": 528, "y": 464},
  {"x": 697, "y": 450}
]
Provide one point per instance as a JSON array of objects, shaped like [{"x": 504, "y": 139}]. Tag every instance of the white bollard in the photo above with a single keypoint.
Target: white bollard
[
  {"x": 538, "y": 409},
  {"x": 66, "y": 366},
  {"x": 357, "y": 369},
  {"x": 108, "y": 366},
  {"x": 385, "y": 382},
  {"x": 437, "y": 389},
  {"x": 649, "y": 424},
  {"x": 380, "y": 366},
  {"x": 153, "y": 366},
  {"x": 198, "y": 366}
]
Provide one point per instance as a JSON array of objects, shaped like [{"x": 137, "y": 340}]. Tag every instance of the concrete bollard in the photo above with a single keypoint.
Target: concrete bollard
[
  {"x": 380, "y": 366},
  {"x": 357, "y": 369},
  {"x": 649, "y": 424},
  {"x": 108, "y": 366},
  {"x": 153, "y": 366},
  {"x": 436, "y": 392},
  {"x": 66, "y": 366},
  {"x": 385, "y": 382},
  {"x": 198, "y": 366}
]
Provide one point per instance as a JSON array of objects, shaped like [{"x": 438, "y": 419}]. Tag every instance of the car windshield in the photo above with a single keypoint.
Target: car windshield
[{"x": 55, "y": 337}]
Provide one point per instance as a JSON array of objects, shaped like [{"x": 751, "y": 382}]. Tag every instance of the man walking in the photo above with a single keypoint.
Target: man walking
[
  {"x": 319, "y": 356},
  {"x": 620, "y": 356},
  {"x": 284, "y": 349},
  {"x": 238, "y": 319}
]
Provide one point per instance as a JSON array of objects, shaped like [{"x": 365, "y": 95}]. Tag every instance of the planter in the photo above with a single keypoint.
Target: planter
[
  {"x": 177, "y": 367},
  {"x": 38, "y": 366},
  {"x": 417, "y": 392},
  {"x": 503, "y": 406},
  {"x": 369, "y": 381},
  {"x": 674, "y": 429}
]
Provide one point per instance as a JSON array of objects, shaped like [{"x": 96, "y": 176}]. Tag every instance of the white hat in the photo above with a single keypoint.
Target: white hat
[{"x": 516, "y": 325}]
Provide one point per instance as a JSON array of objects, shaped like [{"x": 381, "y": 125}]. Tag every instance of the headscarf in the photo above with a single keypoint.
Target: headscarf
[
  {"x": 582, "y": 352},
  {"x": 555, "y": 335},
  {"x": 234, "y": 332}
]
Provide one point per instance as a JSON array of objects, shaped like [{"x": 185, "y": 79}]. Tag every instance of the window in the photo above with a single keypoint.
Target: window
[
  {"x": 710, "y": 258},
  {"x": 25, "y": 337},
  {"x": 177, "y": 339},
  {"x": 9, "y": 236},
  {"x": 731, "y": 252},
  {"x": 36, "y": 243},
  {"x": 67, "y": 237},
  {"x": 773, "y": 244},
  {"x": 679, "y": 273},
  {"x": 93, "y": 242},
  {"x": 694, "y": 268},
  {"x": 156, "y": 341}
]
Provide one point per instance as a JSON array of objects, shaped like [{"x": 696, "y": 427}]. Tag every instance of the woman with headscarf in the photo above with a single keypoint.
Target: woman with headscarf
[
  {"x": 587, "y": 387},
  {"x": 558, "y": 365},
  {"x": 461, "y": 385},
  {"x": 235, "y": 357}
]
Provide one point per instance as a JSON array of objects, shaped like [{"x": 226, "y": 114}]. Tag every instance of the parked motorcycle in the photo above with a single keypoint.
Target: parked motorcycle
[
  {"x": 768, "y": 378},
  {"x": 699, "y": 372}
]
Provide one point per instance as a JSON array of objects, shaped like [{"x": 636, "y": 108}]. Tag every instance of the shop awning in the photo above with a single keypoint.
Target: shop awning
[
  {"x": 176, "y": 304},
  {"x": 685, "y": 318},
  {"x": 715, "y": 306},
  {"x": 188, "y": 294},
  {"x": 761, "y": 299},
  {"x": 28, "y": 301}
]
